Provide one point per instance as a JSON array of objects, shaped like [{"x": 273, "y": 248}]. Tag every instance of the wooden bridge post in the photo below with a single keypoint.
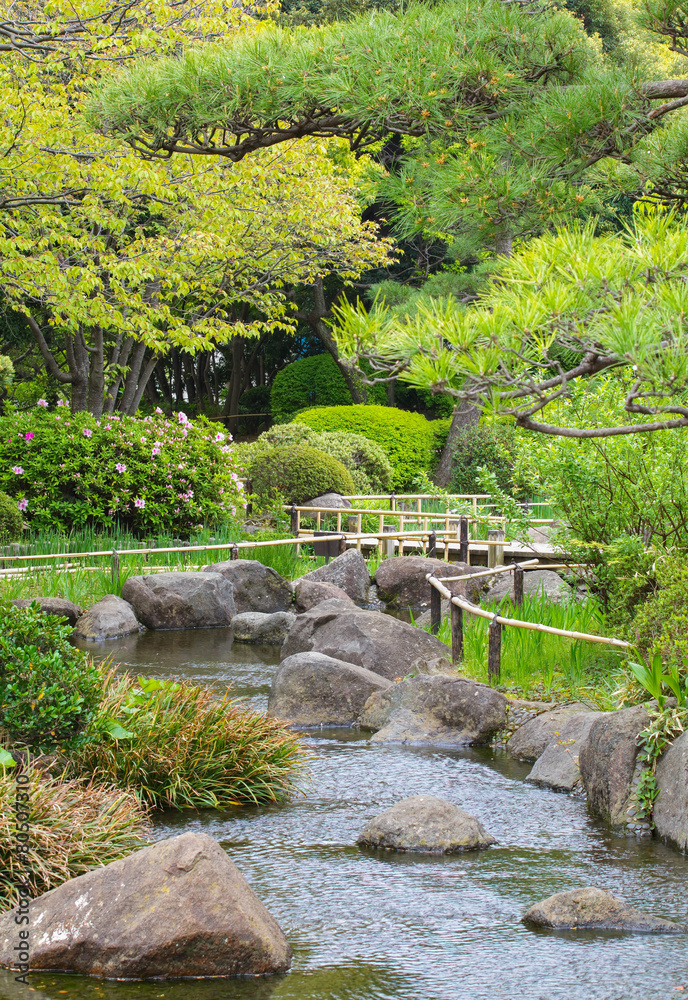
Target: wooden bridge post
[
  {"x": 494, "y": 651},
  {"x": 518, "y": 586},
  {"x": 432, "y": 548},
  {"x": 115, "y": 569},
  {"x": 435, "y": 610},
  {"x": 234, "y": 554},
  {"x": 463, "y": 539},
  {"x": 294, "y": 521},
  {"x": 457, "y": 633}
]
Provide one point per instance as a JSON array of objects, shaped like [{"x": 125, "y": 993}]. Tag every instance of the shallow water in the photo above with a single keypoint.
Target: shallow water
[{"x": 378, "y": 926}]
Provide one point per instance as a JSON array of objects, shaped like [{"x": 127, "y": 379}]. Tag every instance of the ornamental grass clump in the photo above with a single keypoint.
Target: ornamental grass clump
[
  {"x": 177, "y": 745},
  {"x": 75, "y": 826}
]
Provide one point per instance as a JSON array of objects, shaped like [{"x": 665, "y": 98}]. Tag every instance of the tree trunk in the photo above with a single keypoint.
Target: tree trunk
[
  {"x": 234, "y": 389},
  {"x": 96, "y": 377},
  {"x": 322, "y": 330},
  {"x": 78, "y": 361},
  {"x": 143, "y": 379},
  {"x": 463, "y": 416},
  {"x": 132, "y": 379}
]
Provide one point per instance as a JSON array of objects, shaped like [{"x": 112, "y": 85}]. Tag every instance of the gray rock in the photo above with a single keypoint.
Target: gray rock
[
  {"x": 308, "y": 593},
  {"x": 670, "y": 812},
  {"x": 594, "y": 909},
  {"x": 310, "y": 689},
  {"x": 531, "y": 740},
  {"x": 109, "y": 618},
  {"x": 333, "y": 500},
  {"x": 557, "y": 767},
  {"x": 607, "y": 760},
  {"x": 535, "y": 582},
  {"x": 181, "y": 600},
  {"x": 256, "y": 587},
  {"x": 369, "y": 639},
  {"x": 349, "y": 572},
  {"x": 178, "y": 908},
  {"x": 271, "y": 630},
  {"x": 53, "y": 606},
  {"x": 401, "y": 580},
  {"x": 435, "y": 709},
  {"x": 425, "y": 824}
]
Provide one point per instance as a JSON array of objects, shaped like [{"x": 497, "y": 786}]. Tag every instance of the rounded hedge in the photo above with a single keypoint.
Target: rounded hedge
[
  {"x": 491, "y": 446},
  {"x": 365, "y": 460},
  {"x": 11, "y": 522},
  {"x": 409, "y": 440},
  {"x": 298, "y": 473},
  {"x": 315, "y": 381}
]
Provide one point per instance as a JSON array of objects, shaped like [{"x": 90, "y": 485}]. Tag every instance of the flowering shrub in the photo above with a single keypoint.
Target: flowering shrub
[{"x": 148, "y": 474}]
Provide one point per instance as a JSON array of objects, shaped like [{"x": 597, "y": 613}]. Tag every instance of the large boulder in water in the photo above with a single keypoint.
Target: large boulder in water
[
  {"x": 557, "y": 767},
  {"x": 53, "y": 606},
  {"x": 181, "y": 600},
  {"x": 349, "y": 572},
  {"x": 670, "y": 812},
  {"x": 308, "y": 593},
  {"x": 178, "y": 908},
  {"x": 592, "y": 909},
  {"x": 256, "y": 587},
  {"x": 401, "y": 580},
  {"x": 367, "y": 638},
  {"x": 425, "y": 824},
  {"x": 255, "y": 627},
  {"x": 532, "y": 739},
  {"x": 311, "y": 689},
  {"x": 607, "y": 762},
  {"x": 435, "y": 709},
  {"x": 110, "y": 618}
]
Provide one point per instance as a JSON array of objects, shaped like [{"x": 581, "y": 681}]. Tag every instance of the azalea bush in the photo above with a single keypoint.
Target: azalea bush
[{"x": 146, "y": 474}]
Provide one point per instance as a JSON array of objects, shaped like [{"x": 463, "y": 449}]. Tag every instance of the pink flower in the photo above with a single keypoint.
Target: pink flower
[
  {"x": 121, "y": 467},
  {"x": 158, "y": 410},
  {"x": 42, "y": 402},
  {"x": 61, "y": 402},
  {"x": 87, "y": 432},
  {"x": 29, "y": 436},
  {"x": 138, "y": 502},
  {"x": 23, "y": 504},
  {"x": 219, "y": 437},
  {"x": 182, "y": 417},
  {"x": 108, "y": 427},
  {"x": 17, "y": 470}
]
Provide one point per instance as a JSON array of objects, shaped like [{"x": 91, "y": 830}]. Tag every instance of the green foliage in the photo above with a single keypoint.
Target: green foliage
[
  {"x": 6, "y": 372},
  {"x": 634, "y": 485},
  {"x": 408, "y": 439},
  {"x": 11, "y": 522},
  {"x": 370, "y": 469},
  {"x": 623, "y": 572},
  {"x": 484, "y": 446},
  {"x": 49, "y": 690},
  {"x": 660, "y": 625},
  {"x": 186, "y": 748},
  {"x": 297, "y": 473},
  {"x": 666, "y": 724},
  {"x": 146, "y": 474},
  {"x": 74, "y": 826},
  {"x": 314, "y": 381}
]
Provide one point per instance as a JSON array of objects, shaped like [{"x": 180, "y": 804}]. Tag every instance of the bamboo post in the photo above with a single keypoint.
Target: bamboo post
[
  {"x": 518, "y": 586},
  {"x": 494, "y": 651},
  {"x": 115, "y": 568},
  {"x": 435, "y": 610},
  {"x": 318, "y": 521},
  {"x": 432, "y": 549},
  {"x": 392, "y": 502},
  {"x": 339, "y": 521},
  {"x": 401, "y": 545},
  {"x": 495, "y": 553},
  {"x": 463, "y": 536},
  {"x": 359, "y": 530},
  {"x": 234, "y": 554},
  {"x": 457, "y": 633}
]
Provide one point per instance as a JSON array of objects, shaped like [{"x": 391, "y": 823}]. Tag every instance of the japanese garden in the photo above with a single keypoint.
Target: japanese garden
[{"x": 344, "y": 499}]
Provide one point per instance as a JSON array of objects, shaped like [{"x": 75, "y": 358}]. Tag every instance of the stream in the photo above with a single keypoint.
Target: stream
[{"x": 383, "y": 926}]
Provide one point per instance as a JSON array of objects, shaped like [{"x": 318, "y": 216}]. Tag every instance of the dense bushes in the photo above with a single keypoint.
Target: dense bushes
[
  {"x": 180, "y": 746},
  {"x": 297, "y": 473},
  {"x": 315, "y": 381},
  {"x": 409, "y": 440},
  {"x": 11, "y": 521},
  {"x": 634, "y": 484},
  {"x": 49, "y": 690},
  {"x": 75, "y": 826},
  {"x": 491, "y": 446},
  {"x": 660, "y": 624},
  {"x": 149, "y": 474}
]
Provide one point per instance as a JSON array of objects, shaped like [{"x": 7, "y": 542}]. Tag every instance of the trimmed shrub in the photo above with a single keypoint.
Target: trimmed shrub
[
  {"x": 75, "y": 826},
  {"x": 298, "y": 473},
  {"x": 11, "y": 521},
  {"x": 315, "y": 381},
  {"x": 491, "y": 446},
  {"x": 660, "y": 624},
  {"x": 285, "y": 434},
  {"x": 49, "y": 690},
  {"x": 366, "y": 461},
  {"x": 408, "y": 439},
  {"x": 149, "y": 474},
  {"x": 177, "y": 745}
]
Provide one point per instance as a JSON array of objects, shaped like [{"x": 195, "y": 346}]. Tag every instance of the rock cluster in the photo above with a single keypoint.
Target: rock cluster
[
  {"x": 427, "y": 825},
  {"x": 256, "y": 587},
  {"x": 181, "y": 600},
  {"x": 401, "y": 581},
  {"x": 349, "y": 572},
  {"x": 109, "y": 618}
]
